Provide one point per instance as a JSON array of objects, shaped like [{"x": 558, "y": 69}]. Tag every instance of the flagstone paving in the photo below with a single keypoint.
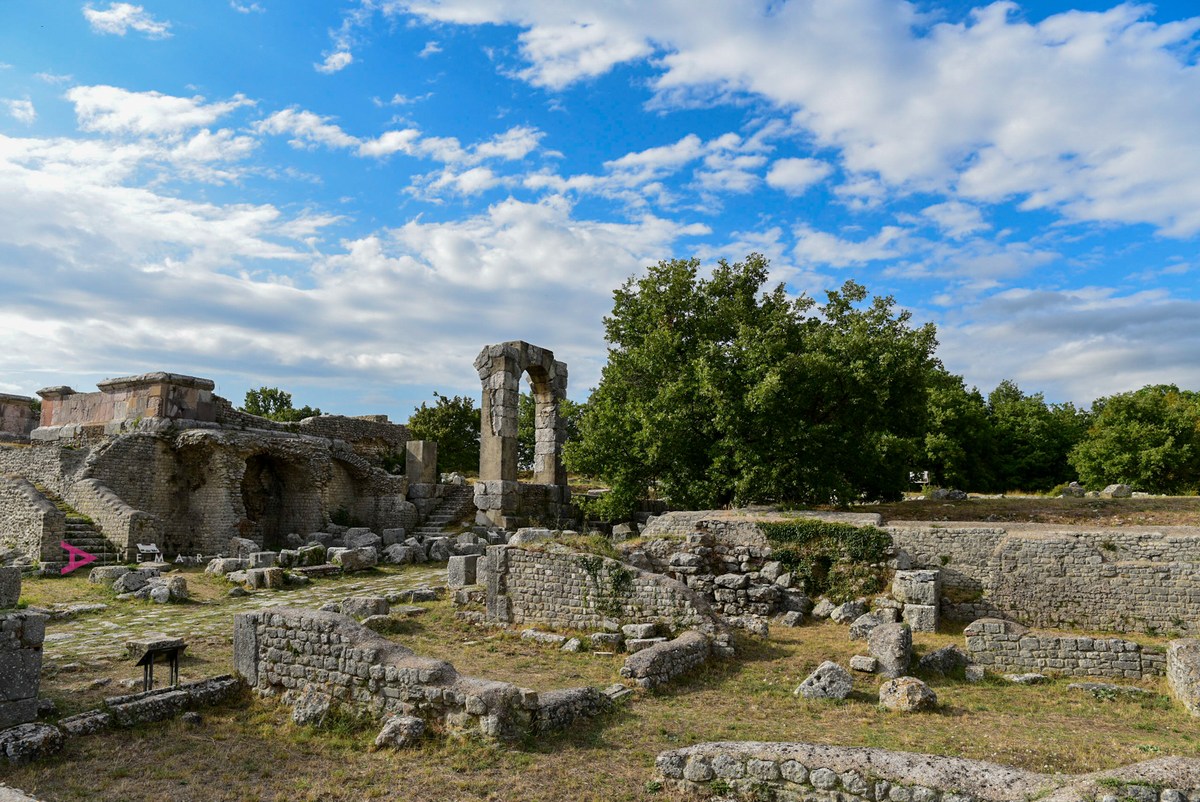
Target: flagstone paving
[{"x": 103, "y": 635}]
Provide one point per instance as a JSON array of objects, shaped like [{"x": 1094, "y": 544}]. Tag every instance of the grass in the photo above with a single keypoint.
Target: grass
[{"x": 250, "y": 750}]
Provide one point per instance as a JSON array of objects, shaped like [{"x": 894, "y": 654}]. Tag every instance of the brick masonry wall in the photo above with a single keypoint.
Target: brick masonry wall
[
  {"x": 28, "y": 522},
  {"x": 285, "y": 651},
  {"x": 1006, "y": 646},
  {"x": 585, "y": 592},
  {"x": 153, "y": 395},
  {"x": 21, "y": 636},
  {"x": 752, "y": 770}
]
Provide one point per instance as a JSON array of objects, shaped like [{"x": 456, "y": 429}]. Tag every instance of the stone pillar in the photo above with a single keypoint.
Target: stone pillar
[
  {"x": 421, "y": 462},
  {"x": 21, "y": 636}
]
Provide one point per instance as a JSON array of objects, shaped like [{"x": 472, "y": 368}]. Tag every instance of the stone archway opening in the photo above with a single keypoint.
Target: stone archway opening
[{"x": 275, "y": 497}]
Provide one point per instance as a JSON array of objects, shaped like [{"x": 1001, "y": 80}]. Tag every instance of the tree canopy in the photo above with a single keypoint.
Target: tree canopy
[
  {"x": 454, "y": 424},
  {"x": 1148, "y": 438},
  {"x": 275, "y": 404},
  {"x": 719, "y": 392}
]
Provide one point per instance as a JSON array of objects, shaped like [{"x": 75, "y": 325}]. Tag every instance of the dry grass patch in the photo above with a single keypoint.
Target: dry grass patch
[{"x": 1100, "y": 512}]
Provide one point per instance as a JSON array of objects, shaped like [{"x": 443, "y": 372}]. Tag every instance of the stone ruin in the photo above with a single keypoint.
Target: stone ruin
[
  {"x": 159, "y": 458},
  {"x": 503, "y": 501}
]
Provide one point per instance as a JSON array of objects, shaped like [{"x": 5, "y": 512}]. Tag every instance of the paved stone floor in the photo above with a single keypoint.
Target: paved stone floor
[{"x": 103, "y": 634}]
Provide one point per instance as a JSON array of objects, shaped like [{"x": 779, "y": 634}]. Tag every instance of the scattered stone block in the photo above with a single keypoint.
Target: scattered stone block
[
  {"x": 633, "y": 645},
  {"x": 829, "y": 681},
  {"x": 243, "y": 547},
  {"x": 398, "y": 554},
  {"x": 823, "y": 608},
  {"x": 86, "y": 723},
  {"x": 636, "y": 631},
  {"x": 907, "y": 695},
  {"x": 891, "y": 645},
  {"x": 918, "y": 587},
  {"x": 365, "y": 606},
  {"x": 1031, "y": 678},
  {"x": 792, "y": 618},
  {"x": 1116, "y": 491},
  {"x": 573, "y": 645},
  {"x": 27, "y": 742},
  {"x": 106, "y": 574},
  {"x": 530, "y": 534},
  {"x": 360, "y": 559},
  {"x": 607, "y": 640},
  {"x": 311, "y": 555},
  {"x": 848, "y": 612},
  {"x": 263, "y": 559},
  {"x": 362, "y": 538},
  {"x": 223, "y": 566},
  {"x": 921, "y": 617},
  {"x": 312, "y": 707},
  {"x": 438, "y": 549},
  {"x": 10, "y": 587},
  {"x": 391, "y": 537},
  {"x": 461, "y": 570},
  {"x": 400, "y": 732},
  {"x": 1108, "y": 689},
  {"x": 863, "y": 625},
  {"x": 945, "y": 660},
  {"x": 159, "y": 594},
  {"x": 289, "y": 558},
  {"x": 974, "y": 673},
  {"x": 864, "y": 663}
]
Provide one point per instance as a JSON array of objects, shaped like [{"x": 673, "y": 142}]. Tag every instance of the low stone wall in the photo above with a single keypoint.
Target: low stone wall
[
  {"x": 153, "y": 705},
  {"x": 285, "y": 651},
  {"x": 21, "y": 636},
  {"x": 513, "y": 504},
  {"x": 796, "y": 771},
  {"x": 962, "y": 553},
  {"x": 662, "y": 662},
  {"x": 1183, "y": 673},
  {"x": 1007, "y": 646},
  {"x": 29, "y": 523},
  {"x": 584, "y": 591}
]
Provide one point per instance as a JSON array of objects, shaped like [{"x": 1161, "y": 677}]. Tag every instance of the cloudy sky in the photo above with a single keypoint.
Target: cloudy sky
[{"x": 348, "y": 199}]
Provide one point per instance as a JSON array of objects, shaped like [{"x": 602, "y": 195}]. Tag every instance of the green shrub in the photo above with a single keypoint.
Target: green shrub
[{"x": 836, "y": 560}]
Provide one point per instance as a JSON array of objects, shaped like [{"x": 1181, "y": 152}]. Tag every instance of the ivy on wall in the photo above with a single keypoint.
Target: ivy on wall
[{"x": 838, "y": 561}]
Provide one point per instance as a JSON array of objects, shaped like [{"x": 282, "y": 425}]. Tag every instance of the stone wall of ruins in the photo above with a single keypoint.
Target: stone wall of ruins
[
  {"x": 17, "y": 418},
  {"x": 1004, "y": 646},
  {"x": 752, "y": 770},
  {"x": 1123, "y": 581},
  {"x": 21, "y": 636},
  {"x": 28, "y": 522},
  {"x": 287, "y": 652},
  {"x": 584, "y": 592},
  {"x": 151, "y": 395}
]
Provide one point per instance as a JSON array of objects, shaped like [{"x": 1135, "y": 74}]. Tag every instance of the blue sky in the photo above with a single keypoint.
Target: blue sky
[{"x": 349, "y": 199}]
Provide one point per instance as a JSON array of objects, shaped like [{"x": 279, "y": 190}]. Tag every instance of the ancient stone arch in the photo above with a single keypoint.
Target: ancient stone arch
[{"x": 500, "y": 498}]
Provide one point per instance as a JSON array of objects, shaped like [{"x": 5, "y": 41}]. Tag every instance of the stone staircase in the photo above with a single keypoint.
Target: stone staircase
[
  {"x": 82, "y": 534},
  {"x": 454, "y": 506}
]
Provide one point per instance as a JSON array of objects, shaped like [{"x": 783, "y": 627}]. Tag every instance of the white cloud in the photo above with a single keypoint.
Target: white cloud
[
  {"x": 53, "y": 78},
  {"x": 335, "y": 61},
  {"x": 246, "y": 8},
  {"x": 1075, "y": 345},
  {"x": 306, "y": 129},
  {"x": 119, "y": 18},
  {"x": 21, "y": 110},
  {"x": 1079, "y": 113},
  {"x": 431, "y": 48},
  {"x": 112, "y": 110},
  {"x": 955, "y": 218},
  {"x": 795, "y": 176},
  {"x": 823, "y": 248}
]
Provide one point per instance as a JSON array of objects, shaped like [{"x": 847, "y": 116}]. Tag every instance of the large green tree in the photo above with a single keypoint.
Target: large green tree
[
  {"x": 1032, "y": 438},
  {"x": 454, "y": 424},
  {"x": 1149, "y": 439},
  {"x": 719, "y": 392},
  {"x": 959, "y": 447},
  {"x": 275, "y": 404}
]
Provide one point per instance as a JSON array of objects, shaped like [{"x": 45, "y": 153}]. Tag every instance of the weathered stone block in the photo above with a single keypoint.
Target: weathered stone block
[
  {"x": 891, "y": 645},
  {"x": 263, "y": 559},
  {"x": 461, "y": 570},
  {"x": 917, "y": 587},
  {"x": 921, "y": 617},
  {"x": 829, "y": 681},
  {"x": 907, "y": 695},
  {"x": 364, "y": 606},
  {"x": 1183, "y": 672},
  {"x": 357, "y": 559},
  {"x": 10, "y": 587}
]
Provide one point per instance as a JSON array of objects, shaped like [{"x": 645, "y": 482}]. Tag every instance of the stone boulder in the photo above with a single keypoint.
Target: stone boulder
[
  {"x": 357, "y": 559},
  {"x": 823, "y": 609},
  {"x": 917, "y": 587},
  {"x": 27, "y": 742},
  {"x": 132, "y": 582},
  {"x": 223, "y": 566},
  {"x": 263, "y": 559},
  {"x": 400, "y": 732},
  {"x": 907, "y": 695},
  {"x": 848, "y": 612},
  {"x": 1116, "y": 491},
  {"x": 945, "y": 660},
  {"x": 891, "y": 645},
  {"x": 365, "y": 606},
  {"x": 312, "y": 707},
  {"x": 243, "y": 547},
  {"x": 1074, "y": 490},
  {"x": 362, "y": 538},
  {"x": 863, "y": 625},
  {"x": 311, "y": 555},
  {"x": 529, "y": 534},
  {"x": 829, "y": 681},
  {"x": 438, "y": 549},
  {"x": 106, "y": 574},
  {"x": 398, "y": 554}
]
